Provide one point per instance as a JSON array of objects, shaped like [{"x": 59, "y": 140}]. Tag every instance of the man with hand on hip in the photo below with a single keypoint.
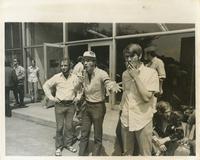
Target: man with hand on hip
[{"x": 67, "y": 94}]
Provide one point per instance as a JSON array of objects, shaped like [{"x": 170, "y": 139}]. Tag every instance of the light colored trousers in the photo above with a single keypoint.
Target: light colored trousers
[
  {"x": 143, "y": 138},
  {"x": 33, "y": 90}
]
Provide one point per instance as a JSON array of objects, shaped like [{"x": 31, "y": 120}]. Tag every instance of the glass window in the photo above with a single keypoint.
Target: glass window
[
  {"x": 76, "y": 51},
  {"x": 175, "y": 26},
  {"x": 178, "y": 54},
  {"x": 81, "y": 31},
  {"x": 10, "y": 55},
  {"x": 136, "y": 28},
  {"x": 8, "y": 40},
  {"x": 17, "y": 35},
  {"x": 13, "y": 36},
  {"x": 45, "y": 33}
]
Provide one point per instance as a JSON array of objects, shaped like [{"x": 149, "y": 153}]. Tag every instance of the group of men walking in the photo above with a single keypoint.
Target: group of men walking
[{"x": 139, "y": 84}]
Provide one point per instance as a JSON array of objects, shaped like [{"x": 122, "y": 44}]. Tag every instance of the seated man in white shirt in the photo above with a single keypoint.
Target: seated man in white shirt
[
  {"x": 140, "y": 83},
  {"x": 67, "y": 87}
]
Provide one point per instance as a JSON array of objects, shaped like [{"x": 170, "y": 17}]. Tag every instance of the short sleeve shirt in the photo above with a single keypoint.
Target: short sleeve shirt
[
  {"x": 95, "y": 88},
  {"x": 158, "y": 65},
  {"x": 66, "y": 88},
  {"x": 136, "y": 113},
  {"x": 78, "y": 69},
  {"x": 20, "y": 72},
  {"x": 32, "y": 76}
]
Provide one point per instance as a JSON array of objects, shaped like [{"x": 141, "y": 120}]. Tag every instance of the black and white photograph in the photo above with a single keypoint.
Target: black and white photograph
[
  {"x": 90, "y": 79},
  {"x": 100, "y": 89}
]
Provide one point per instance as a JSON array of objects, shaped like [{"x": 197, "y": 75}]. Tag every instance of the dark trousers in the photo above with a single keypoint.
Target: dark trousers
[
  {"x": 8, "y": 111},
  {"x": 18, "y": 91},
  {"x": 93, "y": 114},
  {"x": 118, "y": 133},
  {"x": 64, "y": 130}
]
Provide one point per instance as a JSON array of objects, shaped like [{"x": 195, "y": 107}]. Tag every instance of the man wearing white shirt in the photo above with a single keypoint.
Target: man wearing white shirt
[
  {"x": 140, "y": 83},
  {"x": 67, "y": 86},
  {"x": 19, "y": 86},
  {"x": 78, "y": 68},
  {"x": 157, "y": 64}
]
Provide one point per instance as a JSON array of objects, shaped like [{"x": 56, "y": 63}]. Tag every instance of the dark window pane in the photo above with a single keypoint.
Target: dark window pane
[
  {"x": 46, "y": 33},
  {"x": 8, "y": 42},
  {"x": 81, "y": 31},
  {"x": 136, "y": 28},
  {"x": 173, "y": 26},
  {"x": 17, "y": 36},
  {"x": 76, "y": 51}
]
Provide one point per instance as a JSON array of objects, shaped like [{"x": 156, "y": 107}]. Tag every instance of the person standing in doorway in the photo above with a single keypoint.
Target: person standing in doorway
[
  {"x": 19, "y": 87},
  {"x": 157, "y": 64},
  {"x": 67, "y": 94},
  {"x": 96, "y": 81},
  {"x": 10, "y": 81},
  {"x": 78, "y": 68},
  {"x": 140, "y": 83},
  {"x": 33, "y": 77}
]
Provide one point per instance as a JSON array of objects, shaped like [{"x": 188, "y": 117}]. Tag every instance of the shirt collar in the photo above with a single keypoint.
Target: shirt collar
[
  {"x": 70, "y": 73},
  {"x": 141, "y": 67},
  {"x": 154, "y": 59},
  {"x": 95, "y": 70}
]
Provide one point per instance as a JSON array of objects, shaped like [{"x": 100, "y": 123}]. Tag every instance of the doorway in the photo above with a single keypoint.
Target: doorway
[{"x": 105, "y": 61}]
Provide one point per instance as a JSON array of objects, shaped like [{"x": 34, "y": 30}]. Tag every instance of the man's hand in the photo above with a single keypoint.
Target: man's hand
[
  {"x": 113, "y": 87},
  {"x": 76, "y": 101},
  {"x": 162, "y": 141},
  {"x": 132, "y": 71},
  {"x": 185, "y": 140},
  {"x": 54, "y": 99},
  {"x": 163, "y": 148}
]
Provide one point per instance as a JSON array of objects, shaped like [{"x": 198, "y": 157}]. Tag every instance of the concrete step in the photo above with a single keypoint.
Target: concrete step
[{"x": 36, "y": 113}]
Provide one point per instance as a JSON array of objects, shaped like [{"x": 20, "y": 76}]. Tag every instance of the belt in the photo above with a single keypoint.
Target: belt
[
  {"x": 66, "y": 102},
  {"x": 88, "y": 102}
]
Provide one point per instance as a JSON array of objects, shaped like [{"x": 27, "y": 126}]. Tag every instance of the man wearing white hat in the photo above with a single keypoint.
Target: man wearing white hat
[{"x": 96, "y": 81}]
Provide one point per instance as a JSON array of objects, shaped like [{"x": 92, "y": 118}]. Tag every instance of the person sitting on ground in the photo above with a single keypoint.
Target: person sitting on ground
[
  {"x": 167, "y": 129},
  {"x": 190, "y": 133}
]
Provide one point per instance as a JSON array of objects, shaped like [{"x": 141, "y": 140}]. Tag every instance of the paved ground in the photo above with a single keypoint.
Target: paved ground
[
  {"x": 36, "y": 113},
  {"x": 25, "y": 138}
]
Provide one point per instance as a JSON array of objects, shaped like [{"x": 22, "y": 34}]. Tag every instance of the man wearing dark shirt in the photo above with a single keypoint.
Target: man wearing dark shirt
[
  {"x": 167, "y": 128},
  {"x": 10, "y": 80}
]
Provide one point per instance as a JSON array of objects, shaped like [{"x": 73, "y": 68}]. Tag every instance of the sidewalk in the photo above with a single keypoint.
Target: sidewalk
[{"x": 36, "y": 113}]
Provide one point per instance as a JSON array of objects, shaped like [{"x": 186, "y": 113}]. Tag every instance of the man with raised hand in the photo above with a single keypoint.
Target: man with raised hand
[
  {"x": 96, "y": 83},
  {"x": 140, "y": 83}
]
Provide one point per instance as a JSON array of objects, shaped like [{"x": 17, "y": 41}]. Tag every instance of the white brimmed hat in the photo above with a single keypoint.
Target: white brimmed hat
[{"x": 89, "y": 54}]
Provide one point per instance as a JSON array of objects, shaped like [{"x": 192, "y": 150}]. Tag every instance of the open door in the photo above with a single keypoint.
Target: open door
[
  {"x": 53, "y": 54},
  {"x": 105, "y": 61}
]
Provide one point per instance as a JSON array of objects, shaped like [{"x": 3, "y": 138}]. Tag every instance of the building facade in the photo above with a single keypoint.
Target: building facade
[{"x": 48, "y": 43}]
